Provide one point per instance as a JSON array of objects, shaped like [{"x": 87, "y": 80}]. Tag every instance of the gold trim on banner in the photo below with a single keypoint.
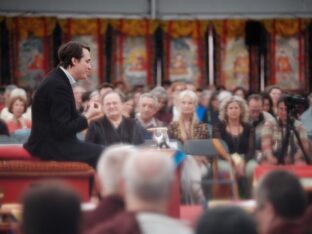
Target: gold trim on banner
[
  {"x": 181, "y": 28},
  {"x": 286, "y": 27},
  {"x": 32, "y": 25},
  {"x": 234, "y": 27},
  {"x": 134, "y": 27},
  {"x": 218, "y": 26},
  {"x": 80, "y": 27}
]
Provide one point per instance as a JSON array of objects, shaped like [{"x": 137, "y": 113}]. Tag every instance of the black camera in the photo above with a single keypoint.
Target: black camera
[{"x": 295, "y": 104}]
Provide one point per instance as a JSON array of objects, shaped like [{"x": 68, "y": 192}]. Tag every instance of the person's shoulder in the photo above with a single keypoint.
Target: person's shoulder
[
  {"x": 128, "y": 221},
  {"x": 148, "y": 221}
]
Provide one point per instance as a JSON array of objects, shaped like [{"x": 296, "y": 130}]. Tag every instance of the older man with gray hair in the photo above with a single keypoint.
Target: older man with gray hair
[
  {"x": 109, "y": 169},
  {"x": 147, "y": 109},
  {"x": 148, "y": 179}
]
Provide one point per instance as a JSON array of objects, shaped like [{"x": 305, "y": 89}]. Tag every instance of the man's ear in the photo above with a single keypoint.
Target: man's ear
[{"x": 74, "y": 61}]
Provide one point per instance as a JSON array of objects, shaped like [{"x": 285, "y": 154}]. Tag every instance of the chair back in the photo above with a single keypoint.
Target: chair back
[{"x": 202, "y": 147}]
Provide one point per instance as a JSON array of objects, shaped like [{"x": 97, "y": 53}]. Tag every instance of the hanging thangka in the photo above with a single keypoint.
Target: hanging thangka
[
  {"x": 31, "y": 58},
  {"x": 183, "y": 60},
  {"x": 235, "y": 67},
  {"x": 133, "y": 69},
  {"x": 184, "y": 51},
  {"x": 134, "y": 51},
  {"x": 287, "y": 67},
  {"x": 287, "y": 51},
  {"x": 31, "y": 54},
  {"x": 234, "y": 55}
]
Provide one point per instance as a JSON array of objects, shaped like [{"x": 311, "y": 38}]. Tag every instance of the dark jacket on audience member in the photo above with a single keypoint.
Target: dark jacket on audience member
[{"x": 103, "y": 132}]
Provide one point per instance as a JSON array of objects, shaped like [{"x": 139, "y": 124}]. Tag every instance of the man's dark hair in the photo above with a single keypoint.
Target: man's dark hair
[
  {"x": 71, "y": 49},
  {"x": 225, "y": 220},
  {"x": 283, "y": 190},
  {"x": 51, "y": 208}
]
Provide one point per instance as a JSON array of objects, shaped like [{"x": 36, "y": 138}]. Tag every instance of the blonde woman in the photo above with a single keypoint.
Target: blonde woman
[
  {"x": 184, "y": 127},
  {"x": 237, "y": 133}
]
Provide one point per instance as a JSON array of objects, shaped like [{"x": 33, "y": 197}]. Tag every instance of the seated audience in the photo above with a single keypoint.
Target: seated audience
[
  {"x": 239, "y": 92},
  {"x": 114, "y": 127},
  {"x": 274, "y": 137},
  {"x": 236, "y": 132},
  {"x": 281, "y": 203},
  {"x": 51, "y": 208},
  {"x": 105, "y": 88},
  {"x": 306, "y": 118},
  {"x": 163, "y": 114},
  {"x": 16, "y": 92},
  {"x": 203, "y": 102},
  {"x": 128, "y": 106},
  {"x": 148, "y": 180},
  {"x": 274, "y": 92},
  {"x": 5, "y": 114},
  {"x": 267, "y": 103},
  {"x": 109, "y": 169},
  {"x": 226, "y": 220},
  {"x": 257, "y": 117},
  {"x": 211, "y": 116},
  {"x": 147, "y": 108},
  {"x": 176, "y": 88},
  {"x": 18, "y": 106}
]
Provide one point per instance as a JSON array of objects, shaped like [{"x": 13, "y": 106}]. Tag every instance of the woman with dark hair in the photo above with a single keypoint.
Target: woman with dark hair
[
  {"x": 267, "y": 103},
  {"x": 239, "y": 92},
  {"x": 212, "y": 113},
  {"x": 275, "y": 92}
]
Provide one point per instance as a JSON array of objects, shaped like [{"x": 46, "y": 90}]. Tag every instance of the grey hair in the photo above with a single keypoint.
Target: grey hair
[
  {"x": 149, "y": 95},
  {"x": 149, "y": 175},
  {"x": 111, "y": 163},
  {"x": 160, "y": 92},
  {"x": 242, "y": 104}
]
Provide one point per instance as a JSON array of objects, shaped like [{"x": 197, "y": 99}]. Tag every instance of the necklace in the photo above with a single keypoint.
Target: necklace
[{"x": 234, "y": 133}]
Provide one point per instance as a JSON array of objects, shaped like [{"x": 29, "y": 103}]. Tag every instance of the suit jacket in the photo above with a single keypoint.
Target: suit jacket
[{"x": 56, "y": 123}]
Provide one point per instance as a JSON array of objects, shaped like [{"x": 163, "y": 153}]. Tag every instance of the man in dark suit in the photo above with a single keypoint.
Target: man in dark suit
[{"x": 55, "y": 118}]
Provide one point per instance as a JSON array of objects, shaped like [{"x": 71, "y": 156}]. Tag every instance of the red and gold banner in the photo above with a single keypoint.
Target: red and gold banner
[
  {"x": 184, "y": 59},
  {"x": 32, "y": 47},
  {"x": 286, "y": 57},
  {"x": 233, "y": 60},
  {"x": 134, "y": 51}
]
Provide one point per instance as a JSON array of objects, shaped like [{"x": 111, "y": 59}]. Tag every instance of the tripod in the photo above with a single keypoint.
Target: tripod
[{"x": 290, "y": 133}]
